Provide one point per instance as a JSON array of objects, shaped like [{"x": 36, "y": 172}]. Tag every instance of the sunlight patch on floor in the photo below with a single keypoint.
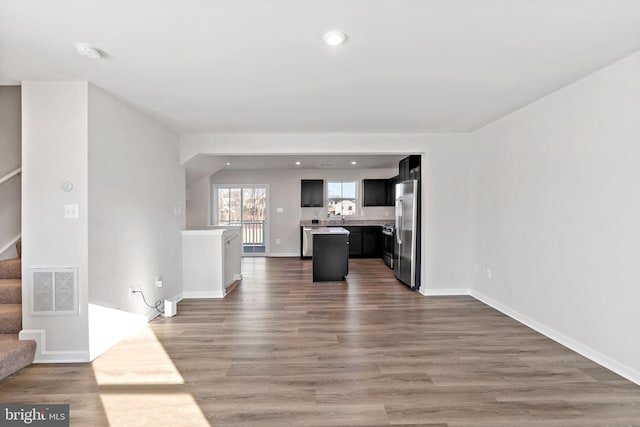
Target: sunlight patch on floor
[
  {"x": 153, "y": 409},
  {"x": 139, "y": 359}
]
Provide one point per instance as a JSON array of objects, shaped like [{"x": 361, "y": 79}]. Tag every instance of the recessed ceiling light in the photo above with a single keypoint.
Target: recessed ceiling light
[
  {"x": 334, "y": 38},
  {"x": 228, "y": 164},
  {"x": 354, "y": 163},
  {"x": 298, "y": 163},
  {"x": 85, "y": 49}
]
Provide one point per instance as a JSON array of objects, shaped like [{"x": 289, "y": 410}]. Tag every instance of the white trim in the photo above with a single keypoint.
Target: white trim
[
  {"x": 11, "y": 244},
  {"x": 444, "y": 292},
  {"x": 237, "y": 277},
  {"x": 176, "y": 298},
  {"x": 44, "y": 356},
  {"x": 613, "y": 365},
  {"x": 10, "y": 175},
  {"x": 204, "y": 294},
  {"x": 284, "y": 255}
]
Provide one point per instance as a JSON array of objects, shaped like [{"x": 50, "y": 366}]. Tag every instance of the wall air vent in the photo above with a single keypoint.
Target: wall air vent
[{"x": 55, "y": 291}]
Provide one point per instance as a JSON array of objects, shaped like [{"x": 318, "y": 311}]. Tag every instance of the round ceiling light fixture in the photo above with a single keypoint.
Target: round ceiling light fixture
[
  {"x": 335, "y": 38},
  {"x": 298, "y": 163},
  {"x": 354, "y": 162},
  {"x": 85, "y": 49},
  {"x": 228, "y": 163}
]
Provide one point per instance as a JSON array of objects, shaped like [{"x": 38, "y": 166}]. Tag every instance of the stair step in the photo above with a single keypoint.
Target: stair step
[
  {"x": 11, "y": 268},
  {"x": 10, "y": 291},
  {"x": 10, "y": 318},
  {"x": 14, "y": 354}
]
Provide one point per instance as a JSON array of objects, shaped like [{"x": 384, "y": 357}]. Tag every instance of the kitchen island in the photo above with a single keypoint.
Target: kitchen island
[{"x": 330, "y": 253}]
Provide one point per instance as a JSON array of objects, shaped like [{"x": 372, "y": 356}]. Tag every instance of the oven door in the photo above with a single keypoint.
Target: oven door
[{"x": 388, "y": 247}]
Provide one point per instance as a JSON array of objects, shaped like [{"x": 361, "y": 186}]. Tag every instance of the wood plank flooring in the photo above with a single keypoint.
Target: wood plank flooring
[{"x": 283, "y": 351}]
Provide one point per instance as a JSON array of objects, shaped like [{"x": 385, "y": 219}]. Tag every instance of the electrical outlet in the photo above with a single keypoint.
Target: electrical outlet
[
  {"x": 277, "y": 241},
  {"x": 488, "y": 271},
  {"x": 158, "y": 282},
  {"x": 131, "y": 291}
]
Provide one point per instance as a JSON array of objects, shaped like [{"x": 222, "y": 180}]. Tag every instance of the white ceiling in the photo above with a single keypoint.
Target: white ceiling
[{"x": 261, "y": 66}]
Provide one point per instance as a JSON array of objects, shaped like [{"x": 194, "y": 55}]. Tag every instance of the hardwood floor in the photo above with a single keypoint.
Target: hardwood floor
[{"x": 283, "y": 351}]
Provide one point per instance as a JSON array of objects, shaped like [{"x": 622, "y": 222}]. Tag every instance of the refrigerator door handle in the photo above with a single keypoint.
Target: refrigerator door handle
[{"x": 399, "y": 220}]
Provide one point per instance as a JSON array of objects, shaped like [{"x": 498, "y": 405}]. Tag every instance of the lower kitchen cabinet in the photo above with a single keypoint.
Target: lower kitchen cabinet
[
  {"x": 371, "y": 242},
  {"x": 355, "y": 241},
  {"x": 365, "y": 242}
]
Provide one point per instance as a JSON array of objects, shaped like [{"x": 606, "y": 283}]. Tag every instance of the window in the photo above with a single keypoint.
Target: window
[{"x": 342, "y": 198}]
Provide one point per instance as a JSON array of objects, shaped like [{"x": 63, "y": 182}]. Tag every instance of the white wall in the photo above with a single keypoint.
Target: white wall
[
  {"x": 197, "y": 208},
  {"x": 557, "y": 211},
  {"x": 54, "y": 149},
  {"x": 284, "y": 188},
  {"x": 10, "y": 159},
  {"x": 135, "y": 185},
  {"x": 446, "y": 217}
]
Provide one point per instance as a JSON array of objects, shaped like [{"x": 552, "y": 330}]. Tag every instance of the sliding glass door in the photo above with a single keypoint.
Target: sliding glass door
[{"x": 245, "y": 206}]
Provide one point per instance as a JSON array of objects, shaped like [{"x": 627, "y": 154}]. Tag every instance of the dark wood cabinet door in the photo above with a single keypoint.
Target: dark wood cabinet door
[
  {"x": 371, "y": 242},
  {"x": 312, "y": 193},
  {"x": 374, "y": 192},
  {"x": 355, "y": 241},
  {"x": 391, "y": 191}
]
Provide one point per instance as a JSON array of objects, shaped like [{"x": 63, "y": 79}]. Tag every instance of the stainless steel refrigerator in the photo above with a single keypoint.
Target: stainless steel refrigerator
[{"x": 407, "y": 229}]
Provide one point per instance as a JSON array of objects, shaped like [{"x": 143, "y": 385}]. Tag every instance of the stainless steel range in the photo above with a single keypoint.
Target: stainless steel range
[{"x": 388, "y": 244}]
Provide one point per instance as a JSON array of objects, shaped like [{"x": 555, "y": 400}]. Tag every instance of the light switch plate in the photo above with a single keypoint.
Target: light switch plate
[
  {"x": 71, "y": 211},
  {"x": 279, "y": 210}
]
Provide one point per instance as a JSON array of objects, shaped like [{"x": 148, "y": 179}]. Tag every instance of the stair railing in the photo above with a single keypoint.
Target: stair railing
[{"x": 10, "y": 175}]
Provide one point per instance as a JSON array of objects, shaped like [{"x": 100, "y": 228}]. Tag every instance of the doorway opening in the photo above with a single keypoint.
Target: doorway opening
[{"x": 244, "y": 206}]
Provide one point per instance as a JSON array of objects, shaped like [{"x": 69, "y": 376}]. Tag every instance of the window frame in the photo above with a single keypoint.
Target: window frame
[{"x": 340, "y": 199}]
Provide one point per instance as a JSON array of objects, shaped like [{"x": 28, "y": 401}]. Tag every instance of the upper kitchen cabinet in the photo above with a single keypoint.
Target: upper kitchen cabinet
[
  {"x": 379, "y": 192},
  {"x": 374, "y": 192},
  {"x": 391, "y": 190},
  {"x": 312, "y": 193},
  {"x": 409, "y": 168}
]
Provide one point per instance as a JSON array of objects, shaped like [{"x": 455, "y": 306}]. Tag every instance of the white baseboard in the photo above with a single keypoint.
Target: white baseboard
[
  {"x": 45, "y": 356},
  {"x": 176, "y": 298},
  {"x": 237, "y": 277},
  {"x": 284, "y": 255},
  {"x": 203, "y": 294},
  {"x": 444, "y": 292},
  {"x": 613, "y": 365}
]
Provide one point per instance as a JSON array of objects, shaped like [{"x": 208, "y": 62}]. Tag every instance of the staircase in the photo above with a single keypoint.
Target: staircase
[{"x": 14, "y": 354}]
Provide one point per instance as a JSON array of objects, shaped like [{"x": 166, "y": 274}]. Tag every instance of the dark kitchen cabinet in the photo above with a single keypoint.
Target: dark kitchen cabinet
[
  {"x": 391, "y": 191},
  {"x": 409, "y": 168},
  {"x": 371, "y": 242},
  {"x": 355, "y": 241},
  {"x": 379, "y": 192},
  {"x": 365, "y": 242},
  {"x": 374, "y": 192},
  {"x": 312, "y": 193}
]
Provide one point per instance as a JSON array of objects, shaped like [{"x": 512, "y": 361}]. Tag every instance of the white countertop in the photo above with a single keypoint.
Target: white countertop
[{"x": 329, "y": 230}]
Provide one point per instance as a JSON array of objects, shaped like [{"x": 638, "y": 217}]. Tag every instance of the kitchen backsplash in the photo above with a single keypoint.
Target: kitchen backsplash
[{"x": 372, "y": 212}]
